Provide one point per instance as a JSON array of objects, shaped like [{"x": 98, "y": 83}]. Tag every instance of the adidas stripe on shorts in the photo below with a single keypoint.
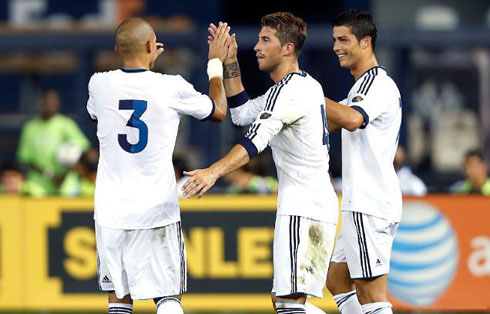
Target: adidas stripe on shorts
[
  {"x": 302, "y": 251},
  {"x": 145, "y": 263},
  {"x": 364, "y": 242}
]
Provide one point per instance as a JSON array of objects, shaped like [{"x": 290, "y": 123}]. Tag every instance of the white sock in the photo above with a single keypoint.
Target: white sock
[
  {"x": 290, "y": 308},
  {"x": 120, "y": 308},
  {"x": 348, "y": 303},
  {"x": 169, "y": 305},
  {"x": 312, "y": 309},
  {"x": 377, "y": 308}
]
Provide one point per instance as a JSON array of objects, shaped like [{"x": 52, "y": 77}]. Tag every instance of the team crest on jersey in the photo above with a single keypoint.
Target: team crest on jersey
[
  {"x": 357, "y": 99},
  {"x": 265, "y": 115}
]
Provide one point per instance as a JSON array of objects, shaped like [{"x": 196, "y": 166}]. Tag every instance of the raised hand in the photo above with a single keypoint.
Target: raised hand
[
  {"x": 233, "y": 45},
  {"x": 218, "y": 46}
]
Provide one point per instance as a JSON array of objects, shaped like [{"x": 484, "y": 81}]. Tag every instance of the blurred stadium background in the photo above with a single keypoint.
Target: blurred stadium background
[{"x": 436, "y": 50}]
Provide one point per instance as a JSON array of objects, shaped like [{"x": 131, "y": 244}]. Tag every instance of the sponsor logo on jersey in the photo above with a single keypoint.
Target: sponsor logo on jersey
[
  {"x": 265, "y": 115},
  {"x": 357, "y": 99}
]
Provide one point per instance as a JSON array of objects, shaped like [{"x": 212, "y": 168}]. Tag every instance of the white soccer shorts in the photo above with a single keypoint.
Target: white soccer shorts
[
  {"x": 145, "y": 263},
  {"x": 364, "y": 243},
  {"x": 302, "y": 251}
]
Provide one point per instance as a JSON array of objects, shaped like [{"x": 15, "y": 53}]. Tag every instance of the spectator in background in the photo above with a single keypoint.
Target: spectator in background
[
  {"x": 410, "y": 184},
  {"x": 40, "y": 140},
  {"x": 245, "y": 180},
  {"x": 81, "y": 180},
  {"x": 476, "y": 171},
  {"x": 11, "y": 179}
]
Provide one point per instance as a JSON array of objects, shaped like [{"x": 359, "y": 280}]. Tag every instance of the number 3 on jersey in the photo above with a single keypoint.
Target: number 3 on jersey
[
  {"x": 325, "y": 127},
  {"x": 139, "y": 107}
]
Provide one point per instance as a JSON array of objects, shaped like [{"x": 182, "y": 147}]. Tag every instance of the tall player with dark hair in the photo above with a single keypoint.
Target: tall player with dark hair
[
  {"x": 370, "y": 119},
  {"x": 290, "y": 117}
]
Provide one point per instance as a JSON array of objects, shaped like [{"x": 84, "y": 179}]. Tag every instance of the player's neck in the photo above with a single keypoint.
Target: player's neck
[
  {"x": 284, "y": 69},
  {"x": 364, "y": 65},
  {"x": 136, "y": 63}
]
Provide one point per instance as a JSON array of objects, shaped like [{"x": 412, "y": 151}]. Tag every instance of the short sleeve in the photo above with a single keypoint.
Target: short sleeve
[
  {"x": 243, "y": 110},
  {"x": 370, "y": 100},
  {"x": 188, "y": 101},
  {"x": 91, "y": 100},
  {"x": 281, "y": 110}
]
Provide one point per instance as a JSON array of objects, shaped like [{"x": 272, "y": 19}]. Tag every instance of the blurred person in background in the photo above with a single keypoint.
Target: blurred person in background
[
  {"x": 290, "y": 118},
  {"x": 247, "y": 180},
  {"x": 48, "y": 145},
  {"x": 139, "y": 240},
  {"x": 476, "y": 172},
  {"x": 11, "y": 179},
  {"x": 410, "y": 184},
  {"x": 369, "y": 119},
  {"x": 85, "y": 170}
]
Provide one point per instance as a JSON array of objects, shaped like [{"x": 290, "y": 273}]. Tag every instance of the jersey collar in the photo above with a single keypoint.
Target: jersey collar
[
  {"x": 126, "y": 70},
  {"x": 368, "y": 70}
]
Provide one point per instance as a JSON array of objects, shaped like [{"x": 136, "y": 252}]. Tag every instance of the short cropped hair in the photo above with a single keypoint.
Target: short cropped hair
[
  {"x": 474, "y": 153},
  {"x": 290, "y": 29},
  {"x": 360, "y": 22}
]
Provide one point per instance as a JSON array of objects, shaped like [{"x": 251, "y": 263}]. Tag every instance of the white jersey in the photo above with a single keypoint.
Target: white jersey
[
  {"x": 138, "y": 114},
  {"x": 369, "y": 181},
  {"x": 290, "y": 117}
]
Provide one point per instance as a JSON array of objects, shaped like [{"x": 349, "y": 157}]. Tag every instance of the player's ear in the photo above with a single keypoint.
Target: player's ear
[
  {"x": 289, "y": 49},
  {"x": 148, "y": 47},
  {"x": 116, "y": 51},
  {"x": 366, "y": 42}
]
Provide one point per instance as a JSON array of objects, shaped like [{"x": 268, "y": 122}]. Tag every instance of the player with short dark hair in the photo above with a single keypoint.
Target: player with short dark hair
[
  {"x": 140, "y": 246},
  {"x": 371, "y": 199},
  {"x": 290, "y": 117}
]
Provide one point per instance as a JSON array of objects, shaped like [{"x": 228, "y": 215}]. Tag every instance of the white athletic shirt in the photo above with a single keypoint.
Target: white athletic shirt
[
  {"x": 369, "y": 181},
  {"x": 290, "y": 117},
  {"x": 138, "y": 114}
]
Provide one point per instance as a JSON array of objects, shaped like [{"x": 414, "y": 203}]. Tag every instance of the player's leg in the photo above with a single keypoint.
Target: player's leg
[
  {"x": 157, "y": 267},
  {"x": 110, "y": 270},
  {"x": 170, "y": 304},
  {"x": 372, "y": 255},
  {"x": 339, "y": 282},
  {"x": 293, "y": 303},
  {"x": 302, "y": 251},
  {"x": 120, "y": 306}
]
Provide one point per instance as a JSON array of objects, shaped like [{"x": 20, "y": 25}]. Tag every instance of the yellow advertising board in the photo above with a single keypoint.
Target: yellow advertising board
[
  {"x": 48, "y": 255},
  {"x": 12, "y": 253}
]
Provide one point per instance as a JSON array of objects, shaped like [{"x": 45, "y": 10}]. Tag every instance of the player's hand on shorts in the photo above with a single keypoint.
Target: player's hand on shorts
[
  {"x": 218, "y": 45},
  {"x": 200, "y": 182},
  {"x": 231, "y": 56}
]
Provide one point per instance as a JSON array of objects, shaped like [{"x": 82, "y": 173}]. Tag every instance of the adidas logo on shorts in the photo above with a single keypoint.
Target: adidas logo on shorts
[
  {"x": 378, "y": 262},
  {"x": 106, "y": 280}
]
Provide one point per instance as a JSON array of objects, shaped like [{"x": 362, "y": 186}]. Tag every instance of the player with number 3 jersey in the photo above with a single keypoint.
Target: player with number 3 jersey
[{"x": 140, "y": 248}]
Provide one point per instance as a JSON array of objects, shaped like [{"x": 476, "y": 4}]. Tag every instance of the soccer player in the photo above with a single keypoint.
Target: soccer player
[
  {"x": 290, "y": 117},
  {"x": 140, "y": 247},
  {"x": 371, "y": 201}
]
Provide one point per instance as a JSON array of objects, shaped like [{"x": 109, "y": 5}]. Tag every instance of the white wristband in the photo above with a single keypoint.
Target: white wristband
[{"x": 215, "y": 68}]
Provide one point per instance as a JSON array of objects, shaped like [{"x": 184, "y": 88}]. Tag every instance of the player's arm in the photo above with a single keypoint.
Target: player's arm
[
  {"x": 218, "y": 49},
  {"x": 267, "y": 125},
  {"x": 340, "y": 116},
  {"x": 203, "y": 179},
  {"x": 243, "y": 110}
]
